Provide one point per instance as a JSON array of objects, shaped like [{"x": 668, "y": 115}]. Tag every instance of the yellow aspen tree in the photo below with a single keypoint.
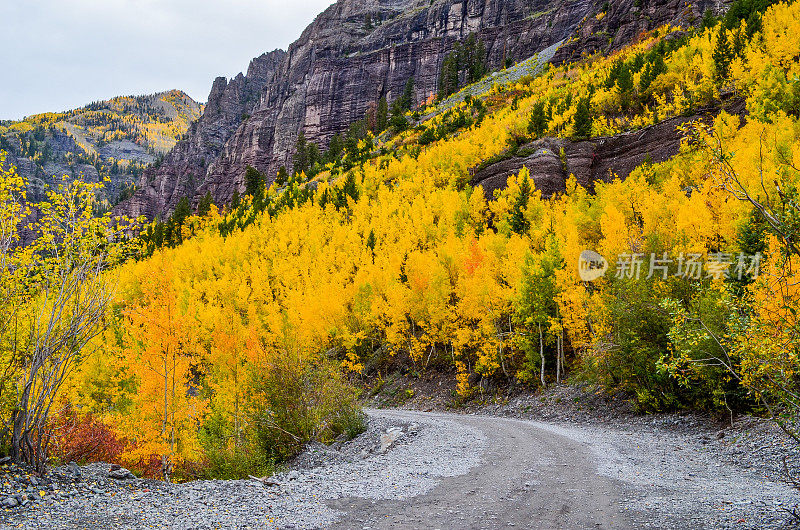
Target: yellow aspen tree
[{"x": 166, "y": 410}]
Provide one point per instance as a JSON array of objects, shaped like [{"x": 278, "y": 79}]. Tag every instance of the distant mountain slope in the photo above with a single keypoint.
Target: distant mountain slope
[{"x": 114, "y": 139}]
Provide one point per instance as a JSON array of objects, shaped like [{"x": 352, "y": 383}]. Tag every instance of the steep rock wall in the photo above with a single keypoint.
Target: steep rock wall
[{"x": 341, "y": 65}]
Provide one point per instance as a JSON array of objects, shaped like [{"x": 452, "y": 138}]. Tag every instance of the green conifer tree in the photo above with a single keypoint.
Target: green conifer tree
[
  {"x": 583, "y": 119},
  {"x": 537, "y": 125},
  {"x": 300, "y": 160},
  {"x": 382, "y": 116},
  {"x": 723, "y": 55},
  {"x": 204, "y": 206}
]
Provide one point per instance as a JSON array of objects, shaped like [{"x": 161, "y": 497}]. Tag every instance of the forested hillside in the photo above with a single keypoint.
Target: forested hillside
[
  {"x": 235, "y": 333},
  {"x": 114, "y": 140}
]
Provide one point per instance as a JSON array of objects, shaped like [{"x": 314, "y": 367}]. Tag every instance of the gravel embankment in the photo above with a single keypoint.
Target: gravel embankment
[{"x": 372, "y": 466}]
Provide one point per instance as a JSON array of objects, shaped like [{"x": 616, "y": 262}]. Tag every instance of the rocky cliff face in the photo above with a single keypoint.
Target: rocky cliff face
[
  {"x": 342, "y": 64},
  {"x": 185, "y": 167},
  {"x": 622, "y": 22}
]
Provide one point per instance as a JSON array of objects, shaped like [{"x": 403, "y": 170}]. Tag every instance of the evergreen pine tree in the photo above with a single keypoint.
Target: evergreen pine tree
[
  {"x": 625, "y": 79},
  {"x": 646, "y": 79},
  {"x": 182, "y": 211},
  {"x": 613, "y": 74},
  {"x": 723, "y": 55},
  {"x": 253, "y": 182},
  {"x": 300, "y": 160},
  {"x": 335, "y": 149},
  {"x": 398, "y": 120},
  {"x": 350, "y": 188},
  {"x": 382, "y": 118},
  {"x": 583, "y": 119},
  {"x": 537, "y": 125},
  {"x": 449, "y": 78},
  {"x": 519, "y": 223},
  {"x": 355, "y": 133},
  {"x": 158, "y": 234},
  {"x": 204, "y": 206},
  {"x": 179, "y": 216},
  {"x": 709, "y": 20}
]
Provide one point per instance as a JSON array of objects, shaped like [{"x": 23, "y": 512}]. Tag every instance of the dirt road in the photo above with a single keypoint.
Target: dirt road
[
  {"x": 449, "y": 471},
  {"x": 535, "y": 475}
]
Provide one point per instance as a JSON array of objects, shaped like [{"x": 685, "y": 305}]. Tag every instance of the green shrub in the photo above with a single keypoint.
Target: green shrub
[
  {"x": 298, "y": 400},
  {"x": 629, "y": 359}
]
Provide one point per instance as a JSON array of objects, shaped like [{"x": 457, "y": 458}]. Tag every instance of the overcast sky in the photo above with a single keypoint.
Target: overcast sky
[{"x": 62, "y": 54}]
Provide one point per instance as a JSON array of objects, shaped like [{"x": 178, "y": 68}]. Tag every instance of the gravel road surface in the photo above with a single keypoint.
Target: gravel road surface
[{"x": 437, "y": 470}]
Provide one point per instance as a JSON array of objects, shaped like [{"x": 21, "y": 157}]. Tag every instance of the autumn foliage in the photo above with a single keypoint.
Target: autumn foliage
[
  {"x": 237, "y": 345},
  {"x": 83, "y": 438}
]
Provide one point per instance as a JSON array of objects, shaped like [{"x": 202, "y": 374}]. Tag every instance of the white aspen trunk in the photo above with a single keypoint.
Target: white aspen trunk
[
  {"x": 541, "y": 354},
  {"x": 558, "y": 359},
  {"x": 563, "y": 356},
  {"x": 165, "y": 458}
]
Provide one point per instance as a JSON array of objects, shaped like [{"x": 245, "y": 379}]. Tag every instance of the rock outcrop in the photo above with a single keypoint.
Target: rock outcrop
[
  {"x": 185, "y": 167},
  {"x": 551, "y": 160},
  {"x": 354, "y": 53}
]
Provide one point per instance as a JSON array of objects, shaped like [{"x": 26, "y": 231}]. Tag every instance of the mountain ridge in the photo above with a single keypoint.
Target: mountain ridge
[{"x": 115, "y": 139}]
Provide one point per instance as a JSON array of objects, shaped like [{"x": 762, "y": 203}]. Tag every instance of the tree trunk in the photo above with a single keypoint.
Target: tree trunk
[
  {"x": 18, "y": 421},
  {"x": 558, "y": 360},
  {"x": 19, "y": 435},
  {"x": 562, "y": 356},
  {"x": 541, "y": 354},
  {"x": 165, "y": 458}
]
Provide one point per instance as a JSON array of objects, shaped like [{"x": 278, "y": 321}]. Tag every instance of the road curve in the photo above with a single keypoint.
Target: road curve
[
  {"x": 453, "y": 471},
  {"x": 530, "y": 477}
]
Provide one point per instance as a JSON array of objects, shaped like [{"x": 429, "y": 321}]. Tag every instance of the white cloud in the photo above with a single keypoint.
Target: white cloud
[{"x": 60, "y": 54}]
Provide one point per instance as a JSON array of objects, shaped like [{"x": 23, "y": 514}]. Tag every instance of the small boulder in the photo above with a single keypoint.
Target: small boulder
[
  {"x": 74, "y": 469},
  {"x": 389, "y": 438},
  {"x": 10, "y": 502},
  {"x": 120, "y": 473}
]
